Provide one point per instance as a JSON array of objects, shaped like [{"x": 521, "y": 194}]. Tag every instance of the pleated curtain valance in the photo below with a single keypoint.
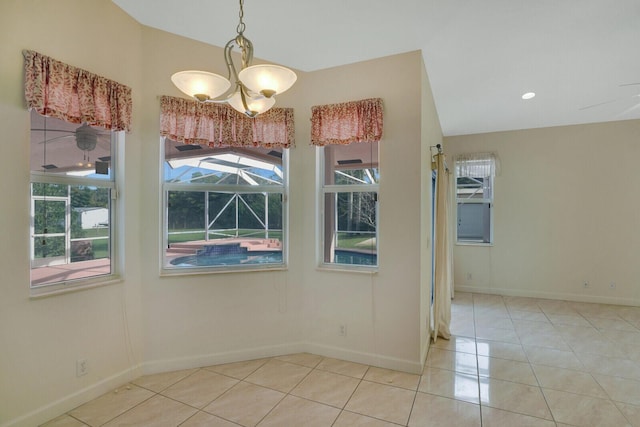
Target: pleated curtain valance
[
  {"x": 355, "y": 121},
  {"x": 477, "y": 165},
  {"x": 59, "y": 90},
  {"x": 218, "y": 125}
]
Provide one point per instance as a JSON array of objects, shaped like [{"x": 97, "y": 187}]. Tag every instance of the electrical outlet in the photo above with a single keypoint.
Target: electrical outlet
[
  {"x": 585, "y": 284},
  {"x": 469, "y": 277},
  {"x": 612, "y": 286},
  {"x": 82, "y": 368},
  {"x": 343, "y": 330}
]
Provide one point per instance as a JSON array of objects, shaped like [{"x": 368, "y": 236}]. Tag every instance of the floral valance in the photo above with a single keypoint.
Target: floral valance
[
  {"x": 356, "y": 121},
  {"x": 217, "y": 125},
  {"x": 59, "y": 90}
]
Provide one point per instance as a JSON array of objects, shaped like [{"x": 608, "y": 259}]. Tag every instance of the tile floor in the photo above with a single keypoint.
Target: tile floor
[{"x": 512, "y": 362}]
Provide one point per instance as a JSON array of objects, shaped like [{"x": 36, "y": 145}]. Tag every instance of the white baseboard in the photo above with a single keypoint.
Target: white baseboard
[
  {"x": 386, "y": 362},
  {"x": 199, "y": 361},
  {"x": 67, "y": 403},
  {"x": 549, "y": 295},
  {"x": 156, "y": 366}
]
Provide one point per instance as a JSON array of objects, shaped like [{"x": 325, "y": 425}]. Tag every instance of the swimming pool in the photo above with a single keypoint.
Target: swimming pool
[
  {"x": 208, "y": 259},
  {"x": 355, "y": 258}
]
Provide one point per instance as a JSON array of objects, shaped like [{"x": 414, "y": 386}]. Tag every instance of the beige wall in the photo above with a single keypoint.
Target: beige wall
[
  {"x": 566, "y": 211},
  {"x": 41, "y": 339},
  {"x": 381, "y": 311},
  {"x": 149, "y": 323}
]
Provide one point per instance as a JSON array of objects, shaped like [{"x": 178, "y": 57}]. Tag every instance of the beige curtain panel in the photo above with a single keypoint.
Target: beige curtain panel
[{"x": 443, "y": 254}]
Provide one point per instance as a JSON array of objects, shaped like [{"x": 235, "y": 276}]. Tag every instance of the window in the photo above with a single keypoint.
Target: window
[
  {"x": 347, "y": 136},
  {"x": 350, "y": 204},
  {"x": 474, "y": 197},
  {"x": 225, "y": 207},
  {"x": 73, "y": 199}
]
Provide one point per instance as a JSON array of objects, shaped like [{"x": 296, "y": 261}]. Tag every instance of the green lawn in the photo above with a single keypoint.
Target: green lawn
[
  {"x": 191, "y": 235},
  {"x": 352, "y": 241}
]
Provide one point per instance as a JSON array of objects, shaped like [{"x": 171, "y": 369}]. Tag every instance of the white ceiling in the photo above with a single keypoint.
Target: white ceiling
[{"x": 481, "y": 55}]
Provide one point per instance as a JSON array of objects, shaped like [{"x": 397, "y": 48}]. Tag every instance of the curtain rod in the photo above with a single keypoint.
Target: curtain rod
[{"x": 440, "y": 153}]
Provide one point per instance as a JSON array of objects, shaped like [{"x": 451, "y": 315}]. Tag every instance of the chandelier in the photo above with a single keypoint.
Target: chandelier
[{"x": 255, "y": 85}]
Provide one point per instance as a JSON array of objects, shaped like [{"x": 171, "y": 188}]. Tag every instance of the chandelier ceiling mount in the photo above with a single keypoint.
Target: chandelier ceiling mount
[{"x": 254, "y": 87}]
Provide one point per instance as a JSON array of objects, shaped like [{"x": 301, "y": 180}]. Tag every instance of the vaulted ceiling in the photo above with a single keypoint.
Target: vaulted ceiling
[{"x": 580, "y": 57}]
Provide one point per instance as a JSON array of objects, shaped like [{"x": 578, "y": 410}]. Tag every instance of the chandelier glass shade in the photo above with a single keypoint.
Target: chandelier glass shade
[
  {"x": 201, "y": 84},
  {"x": 253, "y": 89}
]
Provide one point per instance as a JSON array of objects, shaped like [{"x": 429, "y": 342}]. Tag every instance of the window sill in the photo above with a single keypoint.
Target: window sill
[
  {"x": 474, "y": 244},
  {"x": 344, "y": 268},
  {"x": 68, "y": 287},
  {"x": 203, "y": 271}
]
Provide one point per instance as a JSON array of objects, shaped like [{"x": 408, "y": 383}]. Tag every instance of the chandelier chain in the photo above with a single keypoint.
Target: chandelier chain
[{"x": 241, "y": 27}]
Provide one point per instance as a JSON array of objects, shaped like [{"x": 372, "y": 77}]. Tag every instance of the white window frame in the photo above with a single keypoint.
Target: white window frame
[
  {"x": 324, "y": 189},
  {"x": 115, "y": 214},
  {"x": 216, "y": 188},
  {"x": 488, "y": 201}
]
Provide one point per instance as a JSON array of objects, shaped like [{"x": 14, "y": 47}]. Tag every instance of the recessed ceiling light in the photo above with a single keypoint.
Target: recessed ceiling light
[{"x": 528, "y": 95}]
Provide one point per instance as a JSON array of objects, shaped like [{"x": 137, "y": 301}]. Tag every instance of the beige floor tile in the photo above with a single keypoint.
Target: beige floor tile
[
  {"x": 381, "y": 401},
  {"x": 304, "y": 359},
  {"x": 462, "y": 330},
  {"x": 573, "y": 333},
  {"x": 278, "y": 375},
  {"x": 200, "y": 388},
  {"x": 64, "y": 421},
  {"x": 492, "y": 417},
  {"x": 326, "y": 387},
  {"x": 429, "y": 410},
  {"x": 450, "y": 384},
  {"x": 343, "y": 367},
  {"x": 604, "y": 324},
  {"x": 502, "y": 322},
  {"x": 501, "y": 350},
  {"x": 552, "y": 357},
  {"x": 394, "y": 378},
  {"x": 239, "y": 370},
  {"x": 631, "y": 413},
  {"x": 349, "y": 419},
  {"x": 455, "y": 343},
  {"x": 158, "y": 411},
  {"x": 463, "y": 298},
  {"x": 158, "y": 382},
  {"x": 508, "y": 370},
  {"x": 610, "y": 366},
  {"x": 564, "y": 319},
  {"x": 245, "y": 403},
  {"x": 600, "y": 347},
  {"x": 598, "y": 310},
  {"x": 202, "y": 419},
  {"x": 533, "y": 327},
  {"x": 519, "y": 398},
  {"x": 631, "y": 352},
  {"x": 528, "y": 315},
  {"x": 622, "y": 337},
  {"x": 546, "y": 340},
  {"x": 110, "y": 405},
  {"x": 620, "y": 389},
  {"x": 568, "y": 380},
  {"x": 496, "y": 334},
  {"x": 452, "y": 360},
  {"x": 294, "y": 411},
  {"x": 580, "y": 410},
  {"x": 556, "y": 307}
]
